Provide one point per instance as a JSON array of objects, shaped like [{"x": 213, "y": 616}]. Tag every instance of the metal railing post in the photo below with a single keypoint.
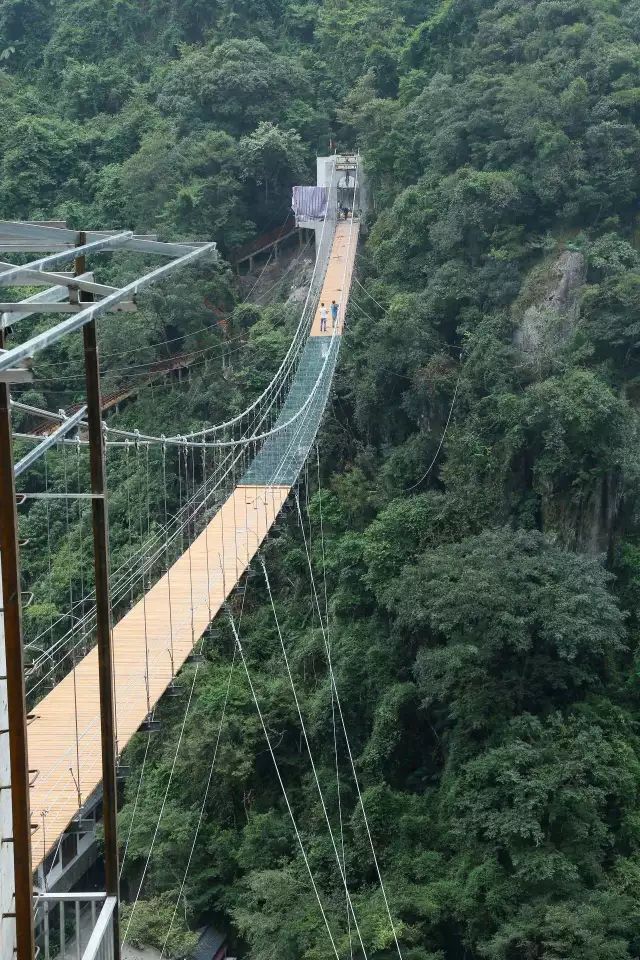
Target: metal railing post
[
  {"x": 16, "y": 698},
  {"x": 103, "y": 612}
]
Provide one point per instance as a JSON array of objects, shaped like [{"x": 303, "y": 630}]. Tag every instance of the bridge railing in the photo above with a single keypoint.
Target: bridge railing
[{"x": 74, "y": 926}]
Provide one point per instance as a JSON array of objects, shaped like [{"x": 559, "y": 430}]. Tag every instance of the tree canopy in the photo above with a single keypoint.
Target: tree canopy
[{"x": 474, "y": 506}]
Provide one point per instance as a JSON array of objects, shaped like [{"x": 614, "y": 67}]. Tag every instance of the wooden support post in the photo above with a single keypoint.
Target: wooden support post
[
  {"x": 103, "y": 612},
  {"x": 16, "y": 698}
]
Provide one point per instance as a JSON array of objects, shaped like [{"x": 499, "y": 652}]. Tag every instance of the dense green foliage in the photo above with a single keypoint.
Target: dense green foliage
[{"x": 483, "y": 595}]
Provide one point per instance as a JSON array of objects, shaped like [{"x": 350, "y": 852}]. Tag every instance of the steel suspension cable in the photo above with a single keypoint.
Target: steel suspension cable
[
  {"x": 224, "y": 587},
  {"x": 144, "y": 590},
  {"x": 285, "y": 366},
  {"x": 203, "y": 805},
  {"x": 163, "y": 805},
  {"x": 233, "y": 466},
  {"x": 81, "y": 544},
  {"x": 442, "y": 438},
  {"x": 143, "y": 554},
  {"x": 333, "y": 700},
  {"x": 168, "y": 563},
  {"x": 189, "y": 542},
  {"x": 294, "y": 263},
  {"x": 166, "y": 794},
  {"x": 208, "y": 786},
  {"x": 135, "y": 805},
  {"x": 302, "y": 410},
  {"x": 230, "y": 469},
  {"x": 76, "y": 777},
  {"x": 310, "y": 753},
  {"x": 346, "y": 738},
  {"x": 48, "y": 514},
  {"x": 123, "y": 690},
  {"x": 281, "y": 782},
  {"x": 206, "y": 539}
]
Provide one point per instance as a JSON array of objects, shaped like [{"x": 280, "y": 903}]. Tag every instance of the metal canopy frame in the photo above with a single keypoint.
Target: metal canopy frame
[
  {"x": 14, "y": 274},
  {"x": 65, "y": 427},
  {"x": 92, "y": 311},
  {"x": 62, "y": 291},
  {"x": 34, "y": 237},
  {"x": 52, "y": 295}
]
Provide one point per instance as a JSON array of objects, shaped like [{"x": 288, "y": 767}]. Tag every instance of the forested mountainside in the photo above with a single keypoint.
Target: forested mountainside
[{"x": 482, "y": 580}]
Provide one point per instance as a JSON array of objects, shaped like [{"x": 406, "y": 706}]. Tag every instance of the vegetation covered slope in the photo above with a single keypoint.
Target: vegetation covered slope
[{"x": 482, "y": 605}]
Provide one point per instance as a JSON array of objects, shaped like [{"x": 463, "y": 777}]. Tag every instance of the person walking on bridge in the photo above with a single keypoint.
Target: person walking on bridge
[
  {"x": 323, "y": 318},
  {"x": 334, "y": 313}
]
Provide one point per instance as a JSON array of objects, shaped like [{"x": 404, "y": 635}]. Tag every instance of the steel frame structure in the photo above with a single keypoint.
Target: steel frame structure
[{"x": 75, "y": 292}]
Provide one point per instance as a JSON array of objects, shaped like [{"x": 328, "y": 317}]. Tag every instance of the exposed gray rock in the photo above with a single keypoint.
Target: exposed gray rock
[
  {"x": 298, "y": 295},
  {"x": 570, "y": 272},
  {"x": 300, "y": 282},
  {"x": 547, "y": 324},
  {"x": 590, "y": 522}
]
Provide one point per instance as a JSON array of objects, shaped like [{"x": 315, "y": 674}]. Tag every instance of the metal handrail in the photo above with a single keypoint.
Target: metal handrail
[
  {"x": 100, "y": 946},
  {"x": 69, "y": 897}
]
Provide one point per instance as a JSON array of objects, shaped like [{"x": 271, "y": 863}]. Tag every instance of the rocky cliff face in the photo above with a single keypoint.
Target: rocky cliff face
[
  {"x": 590, "y": 522},
  {"x": 549, "y": 322},
  {"x": 584, "y": 521}
]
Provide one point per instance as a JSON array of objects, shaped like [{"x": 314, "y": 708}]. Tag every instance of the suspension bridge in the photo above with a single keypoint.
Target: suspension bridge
[
  {"x": 155, "y": 638},
  {"x": 237, "y": 476}
]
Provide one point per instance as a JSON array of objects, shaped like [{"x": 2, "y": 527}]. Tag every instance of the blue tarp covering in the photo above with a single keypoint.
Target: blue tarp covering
[{"x": 309, "y": 203}]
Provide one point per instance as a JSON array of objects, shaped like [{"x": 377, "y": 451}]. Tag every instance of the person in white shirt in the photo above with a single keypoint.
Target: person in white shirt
[{"x": 323, "y": 318}]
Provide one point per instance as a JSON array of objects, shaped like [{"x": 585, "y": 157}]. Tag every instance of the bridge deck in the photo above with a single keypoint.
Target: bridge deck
[
  {"x": 337, "y": 283},
  {"x": 179, "y": 608}
]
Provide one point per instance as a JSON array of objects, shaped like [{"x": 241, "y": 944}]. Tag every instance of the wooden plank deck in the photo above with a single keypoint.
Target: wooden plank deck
[
  {"x": 208, "y": 573},
  {"x": 174, "y": 613},
  {"x": 337, "y": 282}
]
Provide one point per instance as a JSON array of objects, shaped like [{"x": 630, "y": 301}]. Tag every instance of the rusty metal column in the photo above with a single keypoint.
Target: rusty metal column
[
  {"x": 103, "y": 608},
  {"x": 16, "y": 698}
]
